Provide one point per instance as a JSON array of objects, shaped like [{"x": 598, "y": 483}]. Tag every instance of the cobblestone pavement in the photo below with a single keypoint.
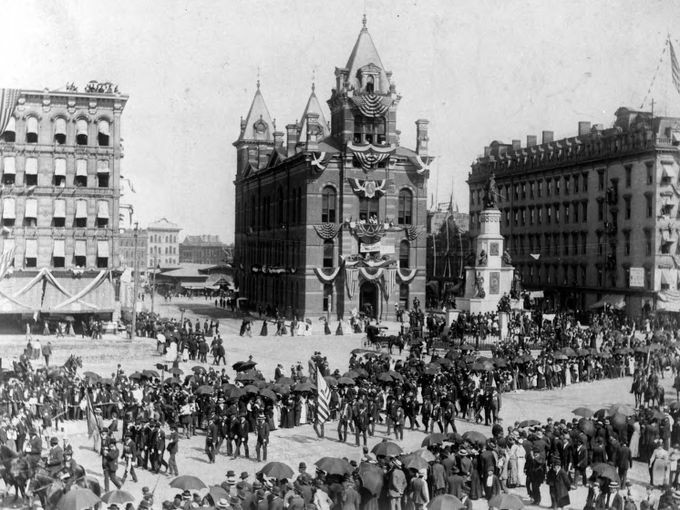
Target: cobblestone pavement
[{"x": 301, "y": 443}]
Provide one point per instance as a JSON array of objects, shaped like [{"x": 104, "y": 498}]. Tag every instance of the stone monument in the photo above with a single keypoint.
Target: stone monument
[{"x": 489, "y": 275}]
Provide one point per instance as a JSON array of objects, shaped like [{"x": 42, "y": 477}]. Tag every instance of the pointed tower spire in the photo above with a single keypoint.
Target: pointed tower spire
[
  {"x": 313, "y": 107},
  {"x": 258, "y": 124}
]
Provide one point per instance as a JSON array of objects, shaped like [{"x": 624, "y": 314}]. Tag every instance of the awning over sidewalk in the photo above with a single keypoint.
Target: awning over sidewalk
[
  {"x": 668, "y": 301},
  {"x": 616, "y": 301}
]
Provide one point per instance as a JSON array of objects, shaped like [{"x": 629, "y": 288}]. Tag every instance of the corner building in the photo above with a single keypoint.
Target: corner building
[
  {"x": 592, "y": 219},
  {"x": 60, "y": 155},
  {"x": 332, "y": 219}
]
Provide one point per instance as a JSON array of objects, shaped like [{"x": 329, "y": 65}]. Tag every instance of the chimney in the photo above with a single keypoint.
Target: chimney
[
  {"x": 516, "y": 145},
  {"x": 583, "y": 128},
  {"x": 421, "y": 137},
  {"x": 313, "y": 131},
  {"x": 278, "y": 139},
  {"x": 487, "y": 151},
  {"x": 547, "y": 136},
  {"x": 531, "y": 140},
  {"x": 291, "y": 139}
]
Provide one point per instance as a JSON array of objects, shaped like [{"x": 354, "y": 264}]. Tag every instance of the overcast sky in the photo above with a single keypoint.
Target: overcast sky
[{"x": 478, "y": 70}]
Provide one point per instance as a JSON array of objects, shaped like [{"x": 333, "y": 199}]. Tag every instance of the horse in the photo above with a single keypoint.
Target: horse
[
  {"x": 638, "y": 389},
  {"x": 69, "y": 369},
  {"x": 15, "y": 470}
]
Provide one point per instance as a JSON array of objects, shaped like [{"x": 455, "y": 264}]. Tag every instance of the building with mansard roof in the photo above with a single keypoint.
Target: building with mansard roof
[
  {"x": 591, "y": 220},
  {"x": 331, "y": 219},
  {"x": 60, "y": 155}
]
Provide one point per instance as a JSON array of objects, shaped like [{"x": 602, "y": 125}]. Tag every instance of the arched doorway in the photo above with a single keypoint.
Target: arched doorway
[{"x": 368, "y": 299}]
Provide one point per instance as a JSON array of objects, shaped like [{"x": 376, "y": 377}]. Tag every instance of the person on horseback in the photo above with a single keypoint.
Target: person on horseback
[{"x": 55, "y": 458}]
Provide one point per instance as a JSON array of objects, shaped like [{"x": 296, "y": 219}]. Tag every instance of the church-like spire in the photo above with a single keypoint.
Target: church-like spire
[
  {"x": 365, "y": 58},
  {"x": 258, "y": 124},
  {"x": 313, "y": 106}
]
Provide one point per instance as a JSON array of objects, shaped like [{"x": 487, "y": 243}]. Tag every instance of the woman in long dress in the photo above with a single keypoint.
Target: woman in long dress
[
  {"x": 521, "y": 463},
  {"x": 635, "y": 440},
  {"x": 513, "y": 467},
  {"x": 567, "y": 374},
  {"x": 303, "y": 410}
]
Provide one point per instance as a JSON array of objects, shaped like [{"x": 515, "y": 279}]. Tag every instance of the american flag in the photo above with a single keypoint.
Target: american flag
[
  {"x": 675, "y": 68},
  {"x": 92, "y": 423},
  {"x": 6, "y": 261},
  {"x": 323, "y": 400}
]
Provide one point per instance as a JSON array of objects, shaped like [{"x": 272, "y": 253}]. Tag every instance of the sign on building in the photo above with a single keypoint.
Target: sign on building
[{"x": 637, "y": 277}]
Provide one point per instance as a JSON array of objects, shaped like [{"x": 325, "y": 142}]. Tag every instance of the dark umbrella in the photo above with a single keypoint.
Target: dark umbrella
[
  {"x": 176, "y": 371},
  {"x": 77, "y": 499},
  {"x": 206, "y": 389},
  {"x": 117, "y": 497},
  {"x": 107, "y": 381},
  {"x": 445, "y": 502},
  {"x": 243, "y": 366},
  {"x": 150, "y": 373},
  {"x": 505, "y": 501},
  {"x": 601, "y": 413},
  {"x": 236, "y": 393},
  {"x": 623, "y": 409},
  {"x": 395, "y": 375},
  {"x": 249, "y": 376},
  {"x": 331, "y": 381},
  {"x": 188, "y": 482},
  {"x": 500, "y": 362},
  {"x": 267, "y": 393},
  {"x": 285, "y": 381},
  {"x": 466, "y": 347},
  {"x": 584, "y": 412},
  {"x": 371, "y": 476},
  {"x": 385, "y": 377},
  {"x": 216, "y": 493},
  {"x": 568, "y": 351},
  {"x": 198, "y": 369},
  {"x": 135, "y": 375},
  {"x": 424, "y": 453},
  {"x": 92, "y": 376},
  {"x": 277, "y": 470},
  {"x": 587, "y": 427},
  {"x": 560, "y": 356},
  {"x": 529, "y": 423},
  {"x": 172, "y": 380},
  {"x": 387, "y": 449},
  {"x": 606, "y": 471},
  {"x": 414, "y": 462},
  {"x": 334, "y": 466},
  {"x": 436, "y": 438},
  {"x": 252, "y": 389},
  {"x": 345, "y": 381},
  {"x": 303, "y": 386},
  {"x": 475, "y": 437}
]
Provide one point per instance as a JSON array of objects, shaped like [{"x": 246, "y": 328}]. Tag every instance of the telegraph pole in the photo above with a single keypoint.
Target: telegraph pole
[{"x": 135, "y": 290}]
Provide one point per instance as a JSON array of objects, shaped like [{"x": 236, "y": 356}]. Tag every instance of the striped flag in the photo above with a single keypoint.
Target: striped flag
[
  {"x": 323, "y": 398},
  {"x": 92, "y": 424},
  {"x": 6, "y": 261},
  {"x": 675, "y": 68},
  {"x": 8, "y": 101}
]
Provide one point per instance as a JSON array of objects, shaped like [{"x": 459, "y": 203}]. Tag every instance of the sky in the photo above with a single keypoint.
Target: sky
[{"x": 479, "y": 70}]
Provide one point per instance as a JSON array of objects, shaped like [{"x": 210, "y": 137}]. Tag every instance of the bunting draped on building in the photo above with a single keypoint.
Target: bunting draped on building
[
  {"x": 372, "y": 105},
  {"x": 371, "y": 274},
  {"x": 367, "y": 189},
  {"x": 368, "y": 230},
  {"x": 327, "y": 230},
  {"x": 321, "y": 161},
  {"x": 8, "y": 101},
  {"x": 6, "y": 262},
  {"x": 422, "y": 164},
  {"x": 369, "y": 156},
  {"x": 412, "y": 232},
  {"x": 389, "y": 279},
  {"x": 351, "y": 280},
  {"x": 406, "y": 277},
  {"x": 96, "y": 282},
  {"x": 356, "y": 261},
  {"x": 327, "y": 277}
]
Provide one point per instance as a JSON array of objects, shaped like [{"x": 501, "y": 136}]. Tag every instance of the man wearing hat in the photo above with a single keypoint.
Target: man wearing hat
[
  {"x": 55, "y": 458},
  {"x": 262, "y": 430},
  {"x": 419, "y": 492},
  {"x": 211, "y": 440},
  {"x": 110, "y": 464},
  {"x": 35, "y": 444},
  {"x": 242, "y": 427},
  {"x": 397, "y": 484},
  {"x": 243, "y": 484},
  {"x": 230, "y": 482},
  {"x": 222, "y": 504},
  {"x": 560, "y": 483},
  {"x": 130, "y": 454},
  {"x": 275, "y": 500}
]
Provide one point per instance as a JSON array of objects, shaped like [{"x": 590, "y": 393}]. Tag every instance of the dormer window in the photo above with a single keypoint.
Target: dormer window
[
  {"x": 370, "y": 84},
  {"x": 369, "y": 130}
]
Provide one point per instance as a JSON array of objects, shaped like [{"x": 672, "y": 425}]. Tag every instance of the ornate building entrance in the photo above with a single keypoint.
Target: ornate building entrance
[{"x": 368, "y": 299}]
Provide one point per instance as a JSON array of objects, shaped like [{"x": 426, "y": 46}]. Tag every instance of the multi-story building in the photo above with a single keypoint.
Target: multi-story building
[
  {"x": 127, "y": 249},
  {"x": 203, "y": 249},
  {"x": 333, "y": 218},
  {"x": 591, "y": 219},
  {"x": 60, "y": 158},
  {"x": 163, "y": 243}
]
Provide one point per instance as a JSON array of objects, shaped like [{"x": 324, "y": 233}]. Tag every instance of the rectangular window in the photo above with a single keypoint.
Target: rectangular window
[
  {"x": 627, "y": 207},
  {"x": 548, "y": 187},
  {"x": 557, "y": 213},
  {"x": 557, "y": 186},
  {"x": 81, "y": 213},
  {"x": 600, "y": 210},
  {"x": 566, "y": 213},
  {"x": 102, "y": 254},
  {"x": 576, "y": 183},
  {"x": 58, "y": 253},
  {"x": 31, "y": 255},
  {"x": 600, "y": 245},
  {"x": 585, "y": 182},
  {"x": 81, "y": 173},
  {"x": 539, "y": 215},
  {"x": 8, "y": 212},
  {"x": 31, "y": 172},
  {"x": 567, "y": 185},
  {"x": 9, "y": 170},
  {"x": 31, "y": 212},
  {"x": 629, "y": 175},
  {"x": 648, "y": 206},
  {"x": 328, "y": 253},
  {"x": 59, "y": 173},
  {"x": 650, "y": 172},
  {"x": 59, "y": 218},
  {"x": 600, "y": 180},
  {"x": 368, "y": 209},
  {"x": 327, "y": 298},
  {"x": 539, "y": 189},
  {"x": 575, "y": 212},
  {"x": 648, "y": 244}
]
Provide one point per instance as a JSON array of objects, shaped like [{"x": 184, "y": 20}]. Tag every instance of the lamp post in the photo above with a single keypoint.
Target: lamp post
[{"x": 135, "y": 280}]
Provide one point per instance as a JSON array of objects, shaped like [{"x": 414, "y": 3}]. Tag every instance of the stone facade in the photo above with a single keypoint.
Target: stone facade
[
  {"x": 591, "y": 219},
  {"x": 127, "y": 249},
  {"x": 203, "y": 249},
  {"x": 333, "y": 219},
  {"x": 163, "y": 243}
]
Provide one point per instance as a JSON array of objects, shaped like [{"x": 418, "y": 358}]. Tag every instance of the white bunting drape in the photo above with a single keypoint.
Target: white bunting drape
[
  {"x": 406, "y": 277},
  {"x": 351, "y": 280},
  {"x": 364, "y": 272},
  {"x": 8, "y": 101},
  {"x": 326, "y": 278}
]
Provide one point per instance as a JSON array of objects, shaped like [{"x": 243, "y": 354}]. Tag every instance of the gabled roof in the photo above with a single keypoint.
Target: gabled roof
[
  {"x": 313, "y": 106},
  {"x": 364, "y": 54},
  {"x": 258, "y": 124},
  {"x": 163, "y": 224}
]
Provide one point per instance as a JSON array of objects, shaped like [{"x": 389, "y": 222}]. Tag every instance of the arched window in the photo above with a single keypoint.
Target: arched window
[
  {"x": 328, "y": 199},
  {"x": 404, "y": 254},
  {"x": 103, "y": 133},
  {"x": 60, "y": 131},
  {"x": 328, "y": 247},
  {"x": 31, "y": 130},
  {"x": 81, "y": 132},
  {"x": 10, "y": 134},
  {"x": 403, "y": 296},
  {"x": 370, "y": 84},
  {"x": 405, "y": 211}
]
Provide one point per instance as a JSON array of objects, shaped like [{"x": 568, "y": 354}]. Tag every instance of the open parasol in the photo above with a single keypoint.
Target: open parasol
[
  {"x": 78, "y": 499},
  {"x": 372, "y": 477},
  {"x": 445, "y": 502},
  {"x": 387, "y": 449},
  {"x": 188, "y": 482},
  {"x": 334, "y": 466},
  {"x": 277, "y": 470}
]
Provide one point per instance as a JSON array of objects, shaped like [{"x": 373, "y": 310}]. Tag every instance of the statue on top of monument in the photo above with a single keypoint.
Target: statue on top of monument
[
  {"x": 479, "y": 285},
  {"x": 490, "y": 193}
]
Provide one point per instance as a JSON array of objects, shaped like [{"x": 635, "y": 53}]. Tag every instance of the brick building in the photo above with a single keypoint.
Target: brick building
[
  {"x": 162, "y": 240},
  {"x": 332, "y": 218},
  {"x": 127, "y": 248},
  {"x": 60, "y": 158},
  {"x": 202, "y": 249},
  {"x": 591, "y": 219}
]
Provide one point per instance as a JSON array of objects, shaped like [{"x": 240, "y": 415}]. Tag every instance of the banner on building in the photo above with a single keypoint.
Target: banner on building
[{"x": 637, "y": 277}]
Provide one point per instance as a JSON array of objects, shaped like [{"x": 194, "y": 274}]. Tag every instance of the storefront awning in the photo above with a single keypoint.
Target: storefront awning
[
  {"x": 102, "y": 166},
  {"x": 669, "y": 171},
  {"x": 616, "y": 301},
  {"x": 668, "y": 237},
  {"x": 58, "y": 250},
  {"x": 81, "y": 167},
  {"x": 193, "y": 285},
  {"x": 60, "y": 126},
  {"x": 31, "y": 167},
  {"x": 31, "y": 208},
  {"x": 104, "y": 127},
  {"x": 668, "y": 301},
  {"x": 81, "y": 127},
  {"x": 60, "y": 208},
  {"x": 81, "y": 209}
]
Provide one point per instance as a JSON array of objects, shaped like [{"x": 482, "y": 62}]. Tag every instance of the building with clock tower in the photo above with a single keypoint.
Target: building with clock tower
[{"x": 331, "y": 220}]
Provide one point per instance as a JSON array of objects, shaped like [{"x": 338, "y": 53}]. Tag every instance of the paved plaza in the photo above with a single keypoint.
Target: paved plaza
[{"x": 300, "y": 443}]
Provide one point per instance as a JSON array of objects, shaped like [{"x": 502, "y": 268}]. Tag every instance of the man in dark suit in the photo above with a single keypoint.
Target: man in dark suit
[
  {"x": 361, "y": 423},
  {"x": 624, "y": 461},
  {"x": 455, "y": 483},
  {"x": 560, "y": 483},
  {"x": 262, "y": 430},
  {"x": 487, "y": 460},
  {"x": 580, "y": 462},
  {"x": 110, "y": 464}
]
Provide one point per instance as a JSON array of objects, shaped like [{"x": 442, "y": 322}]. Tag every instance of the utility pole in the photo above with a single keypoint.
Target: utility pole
[
  {"x": 153, "y": 285},
  {"x": 135, "y": 265}
]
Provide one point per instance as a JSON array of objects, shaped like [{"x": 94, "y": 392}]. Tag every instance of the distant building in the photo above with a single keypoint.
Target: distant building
[
  {"x": 163, "y": 243},
  {"x": 127, "y": 249},
  {"x": 60, "y": 156},
  {"x": 203, "y": 249},
  {"x": 592, "y": 219}
]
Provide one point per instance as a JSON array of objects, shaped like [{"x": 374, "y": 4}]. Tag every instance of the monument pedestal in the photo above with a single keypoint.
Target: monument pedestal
[{"x": 488, "y": 280}]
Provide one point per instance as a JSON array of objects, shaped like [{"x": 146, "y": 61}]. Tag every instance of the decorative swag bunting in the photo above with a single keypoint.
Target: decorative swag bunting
[
  {"x": 371, "y": 274},
  {"x": 372, "y": 105},
  {"x": 423, "y": 165},
  {"x": 369, "y": 230},
  {"x": 321, "y": 162},
  {"x": 327, "y": 278},
  {"x": 367, "y": 189},
  {"x": 327, "y": 230},
  {"x": 351, "y": 280},
  {"x": 406, "y": 278},
  {"x": 412, "y": 232},
  {"x": 8, "y": 101},
  {"x": 369, "y": 156}
]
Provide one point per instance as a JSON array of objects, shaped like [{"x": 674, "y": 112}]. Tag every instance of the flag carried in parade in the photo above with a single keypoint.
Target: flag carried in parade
[
  {"x": 6, "y": 261},
  {"x": 323, "y": 400},
  {"x": 92, "y": 424},
  {"x": 675, "y": 67}
]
